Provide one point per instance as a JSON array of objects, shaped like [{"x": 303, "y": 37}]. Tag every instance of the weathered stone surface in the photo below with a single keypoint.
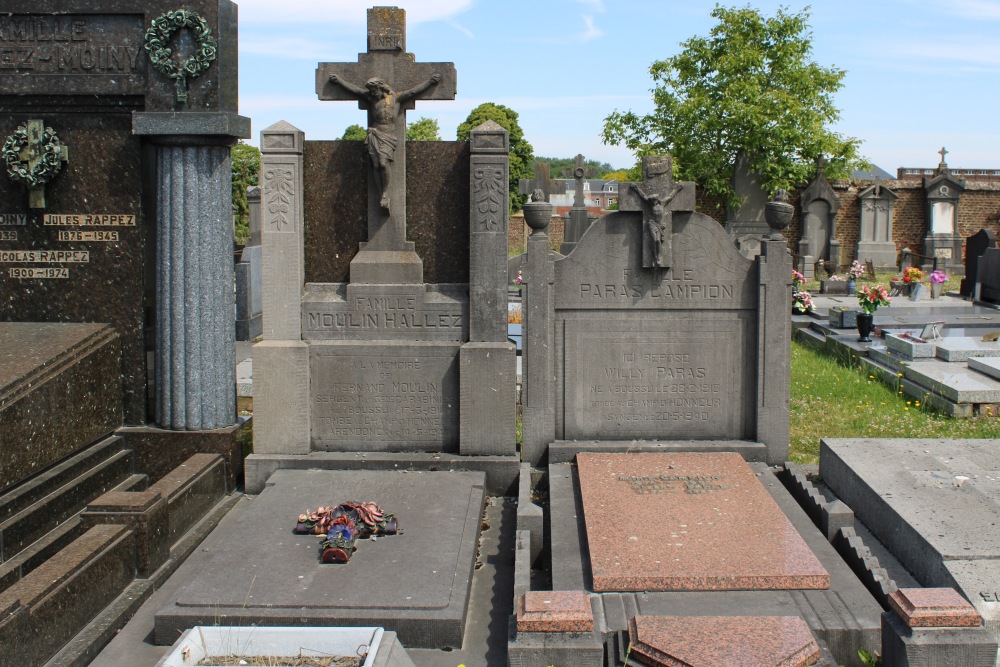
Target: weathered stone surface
[
  {"x": 718, "y": 641},
  {"x": 415, "y": 583},
  {"x": 487, "y": 410},
  {"x": 394, "y": 395},
  {"x": 989, "y": 366},
  {"x": 955, "y": 383},
  {"x": 661, "y": 522},
  {"x": 554, "y": 611},
  {"x": 437, "y": 208},
  {"x": 60, "y": 389},
  {"x": 909, "y": 348},
  {"x": 191, "y": 490},
  {"x": 142, "y": 512},
  {"x": 934, "y": 608},
  {"x": 928, "y": 501}
]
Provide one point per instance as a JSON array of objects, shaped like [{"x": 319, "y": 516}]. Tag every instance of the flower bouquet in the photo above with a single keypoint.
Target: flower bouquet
[
  {"x": 870, "y": 298},
  {"x": 802, "y": 302},
  {"x": 912, "y": 275},
  {"x": 856, "y": 270},
  {"x": 937, "y": 278}
]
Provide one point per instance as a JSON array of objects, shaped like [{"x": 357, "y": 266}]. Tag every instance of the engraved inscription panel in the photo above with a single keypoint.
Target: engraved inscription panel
[
  {"x": 385, "y": 397},
  {"x": 662, "y": 378},
  {"x": 79, "y": 54}
]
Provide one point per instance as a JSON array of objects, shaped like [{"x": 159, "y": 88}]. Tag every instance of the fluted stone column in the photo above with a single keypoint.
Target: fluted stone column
[{"x": 195, "y": 369}]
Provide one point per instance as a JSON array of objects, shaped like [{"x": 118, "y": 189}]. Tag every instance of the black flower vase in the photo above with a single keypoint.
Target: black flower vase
[{"x": 865, "y": 323}]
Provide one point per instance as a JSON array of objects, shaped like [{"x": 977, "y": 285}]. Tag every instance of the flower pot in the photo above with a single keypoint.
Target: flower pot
[
  {"x": 936, "y": 289},
  {"x": 852, "y": 287},
  {"x": 865, "y": 324}
]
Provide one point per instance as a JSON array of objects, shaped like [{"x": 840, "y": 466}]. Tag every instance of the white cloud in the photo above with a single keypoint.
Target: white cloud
[
  {"x": 975, "y": 52},
  {"x": 342, "y": 11},
  {"x": 461, "y": 28},
  {"x": 977, "y": 9},
  {"x": 591, "y": 32}
]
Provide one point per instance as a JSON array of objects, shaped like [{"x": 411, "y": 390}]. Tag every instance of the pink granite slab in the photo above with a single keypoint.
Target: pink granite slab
[
  {"x": 555, "y": 611},
  {"x": 934, "y": 608},
  {"x": 722, "y": 641},
  {"x": 684, "y": 522}
]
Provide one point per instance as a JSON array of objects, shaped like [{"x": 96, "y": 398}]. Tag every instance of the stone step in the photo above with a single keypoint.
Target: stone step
[
  {"x": 37, "y": 487},
  {"x": 45, "y": 609},
  {"x": 811, "y": 338},
  {"x": 963, "y": 348},
  {"x": 51, "y": 542},
  {"x": 957, "y": 384},
  {"x": 44, "y": 515}
]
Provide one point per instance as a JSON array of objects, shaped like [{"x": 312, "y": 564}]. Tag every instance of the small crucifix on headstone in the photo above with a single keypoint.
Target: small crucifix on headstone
[
  {"x": 658, "y": 196},
  {"x": 386, "y": 81}
]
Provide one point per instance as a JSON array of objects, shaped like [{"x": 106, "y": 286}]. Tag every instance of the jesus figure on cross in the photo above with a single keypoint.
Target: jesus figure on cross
[{"x": 383, "y": 107}]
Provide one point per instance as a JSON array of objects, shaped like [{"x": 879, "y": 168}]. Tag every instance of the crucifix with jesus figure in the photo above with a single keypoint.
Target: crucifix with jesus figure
[
  {"x": 386, "y": 82},
  {"x": 658, "y": 197}
]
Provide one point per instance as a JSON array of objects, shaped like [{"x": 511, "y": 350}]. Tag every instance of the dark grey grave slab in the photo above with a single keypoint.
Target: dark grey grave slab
[
  {"x": 934, "y": 503},
  {"x": 416, "y": 584},
  {"x": 845, "y": 617}
]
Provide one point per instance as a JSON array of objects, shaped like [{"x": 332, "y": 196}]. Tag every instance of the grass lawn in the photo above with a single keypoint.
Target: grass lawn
[
  {"x": 952, "y": 284},
  {"x": 835, "y": 401}
]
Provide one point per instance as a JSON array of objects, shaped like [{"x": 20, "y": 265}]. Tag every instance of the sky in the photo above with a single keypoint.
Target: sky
[{"x": 921, "y": 74}]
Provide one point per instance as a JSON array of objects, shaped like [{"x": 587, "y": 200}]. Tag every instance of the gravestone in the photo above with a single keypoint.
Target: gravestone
[
  {"x": 249, "y": 305},
  {"x": 746, "y": 222},
  {"x": 988, "y": 277},
  {"x": 943, "y": 191},
  {"x": 542, "y": 181},
  {"x": 875, "y": 242},
  {"x": 577, "y": 219},
  {"x": 99, "y": 91},
  {"x": 620, "y": 349},
  {"x": 819, "y": 204},
  {"x": 385, "y": 327},
  {"x": 975, "y": 246}
]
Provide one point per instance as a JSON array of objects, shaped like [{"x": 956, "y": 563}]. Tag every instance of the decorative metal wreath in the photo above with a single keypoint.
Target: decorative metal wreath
[
  {"x": 157, "y": 46},
  {"x": 45, "y": 169}
]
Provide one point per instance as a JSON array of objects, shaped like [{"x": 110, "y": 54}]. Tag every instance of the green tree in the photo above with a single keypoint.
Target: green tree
[
  {"x": 751, "y": 86},
  {"x": 521, "y": 152},
  {"x": 423, "y": 129},
  {"x": 246, "y": 169},
  {"x": 354, "y": 133}
]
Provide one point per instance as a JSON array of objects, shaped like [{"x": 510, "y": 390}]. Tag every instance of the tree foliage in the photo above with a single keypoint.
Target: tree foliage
[
  {"x": 423, "y": 129},
  {"x": 354, "y": 133},
  {"x": 751, "y": 86},
  {"x": 246, "y": 170},
  {"x": 521, "y": 152},
  {"x": 562, "y": 167}
]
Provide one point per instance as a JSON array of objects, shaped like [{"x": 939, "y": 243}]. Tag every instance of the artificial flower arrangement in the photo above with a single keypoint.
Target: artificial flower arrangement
[
  {"x": 856, "y": 270},
  {"x": 836, "y": 279},
  {"x": 871, "y": 297},
  {"x": 802, "y": 301},
  {"x": 938, "y": 276},
  {"x": 797, "y": 278},
  {"x": 912, "y": 275}
]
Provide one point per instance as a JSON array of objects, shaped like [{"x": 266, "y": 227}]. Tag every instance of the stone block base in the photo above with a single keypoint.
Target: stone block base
[
  {"x": 920, "y": 647},
  {"x": 487, "y": 403}
]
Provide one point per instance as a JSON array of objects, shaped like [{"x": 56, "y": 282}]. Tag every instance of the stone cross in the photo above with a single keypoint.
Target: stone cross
[
  {"x": 942, "y": 153},
  {"x": 578, "y": 172},
  {"x": 658, "y": 196},
  {"x": 386, "y": 82},
  {"x": 31, "y": 156},
  {"x": 541, "y": 182}
]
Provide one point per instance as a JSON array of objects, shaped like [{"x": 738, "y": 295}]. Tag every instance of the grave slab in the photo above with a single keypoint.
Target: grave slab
[
  {"x": 987, "y": 366},
  {"x": 717, "y": 641},
  {"x": 934, "y": 608},
  {"x": 934, "y": 503},
  {"x": 963, "y": 348},
  {"x": 554, "y": 611},
  {"x": 662, "y": 522},
  {"x": 956, "y": 383},
  {"x": 416, "y": 583}
]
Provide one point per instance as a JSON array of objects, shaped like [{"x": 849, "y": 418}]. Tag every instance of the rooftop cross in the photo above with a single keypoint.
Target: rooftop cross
[
  {"x": 657, "y": 197},
  {"x": 386, "y": 81},
  {"x": 942, "y": 153}
]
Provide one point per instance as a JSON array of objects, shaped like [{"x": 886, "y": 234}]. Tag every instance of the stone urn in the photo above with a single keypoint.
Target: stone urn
[
  {"x": 778, "y": 214},
  {"x": 537, "y": 212}
]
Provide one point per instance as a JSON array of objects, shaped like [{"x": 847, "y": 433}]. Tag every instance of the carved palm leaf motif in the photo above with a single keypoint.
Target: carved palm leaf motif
[
  {"x": 279, "y": 189},
  {"x": 489, "y": 193}
]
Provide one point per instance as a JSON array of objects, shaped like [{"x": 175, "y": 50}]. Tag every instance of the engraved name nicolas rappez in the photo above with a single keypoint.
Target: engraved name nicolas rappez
[
  {"x": 62, "y": 45},
  {"x": 693, "y": 484}
]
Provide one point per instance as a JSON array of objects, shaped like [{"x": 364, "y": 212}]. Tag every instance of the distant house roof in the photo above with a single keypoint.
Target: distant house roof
[{"x": 876, "y": 172}]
